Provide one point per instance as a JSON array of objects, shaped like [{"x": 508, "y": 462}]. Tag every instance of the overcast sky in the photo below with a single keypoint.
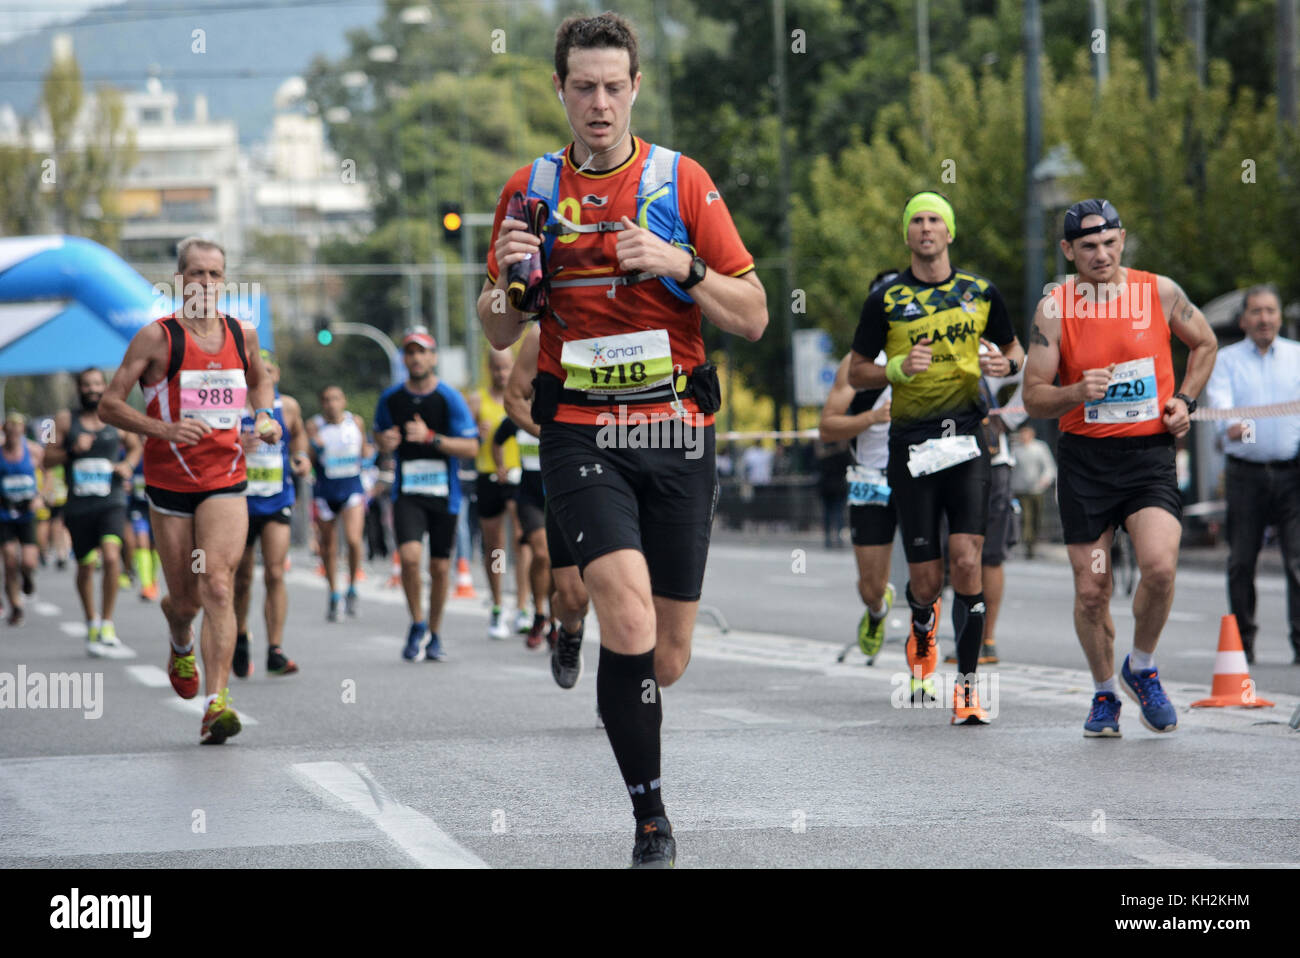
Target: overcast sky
[{"x": 23, "y": 16}]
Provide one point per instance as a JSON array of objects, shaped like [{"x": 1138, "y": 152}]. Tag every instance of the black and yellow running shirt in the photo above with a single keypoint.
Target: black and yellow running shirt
[{"x": 954, "y": 314}]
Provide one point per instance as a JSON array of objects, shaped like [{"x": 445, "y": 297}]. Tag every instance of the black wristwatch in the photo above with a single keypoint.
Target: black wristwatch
[
  {"x": 698, "y": 269},
  {"x": 1188, "y": 400}
]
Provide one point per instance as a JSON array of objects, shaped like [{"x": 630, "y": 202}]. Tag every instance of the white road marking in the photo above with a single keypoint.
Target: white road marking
[
  {"x": 1127, "y": 840},
  {"x": 119, "y": 651},
  {"x": 46, "y": 608},
  {"x": 76, "y": 630},
  {"x": 149, "y": 675},
  {"x": 415, "y": 834},
  {"x": 196, "y": 706},
  {"x": 744, "y": 716}
]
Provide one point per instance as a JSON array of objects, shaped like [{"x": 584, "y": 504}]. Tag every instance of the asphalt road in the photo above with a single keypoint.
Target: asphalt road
[{"x": 774, "y": 754}]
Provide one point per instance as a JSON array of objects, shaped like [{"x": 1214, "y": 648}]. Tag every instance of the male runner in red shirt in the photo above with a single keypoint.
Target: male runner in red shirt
[{"x": 196, "y": 368}]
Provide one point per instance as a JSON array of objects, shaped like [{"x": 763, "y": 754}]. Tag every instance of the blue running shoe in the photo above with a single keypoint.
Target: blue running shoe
[
  {"x": 414, "y": 640},
  {"x": 433, "y": 651},
  {"x": 1145, "y": 689},
  {"x": 1103, "y": 720}
]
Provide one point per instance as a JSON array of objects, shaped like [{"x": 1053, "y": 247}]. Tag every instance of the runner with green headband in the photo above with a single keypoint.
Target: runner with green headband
[{"x": 931, "y": 322}]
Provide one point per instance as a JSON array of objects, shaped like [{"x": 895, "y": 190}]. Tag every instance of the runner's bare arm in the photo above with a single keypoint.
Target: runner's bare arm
[
  {"x": 134, "y": 449},
  {"x": 1190, "y": 325},
  {"x": 299, "y": 461},
  {"x": 261, "y": 391},
  {"x": 146, "y": 353},
  {"x": 836, "y": 423},
  {"x": 37, "y": 452},
  {"x": 735, "y": 304},
  {"x": 1043, "y": 399},
  {"x": 367, "y": 448},
  {"x": 519, "y": 387},
  {"x": 864, "y": 373},
  {"x": 55, "y": 454}
]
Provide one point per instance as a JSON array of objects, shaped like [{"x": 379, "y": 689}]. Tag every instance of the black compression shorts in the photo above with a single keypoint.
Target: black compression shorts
[
  {"x": 561, "y": 554},
  {"x": 658, "y": 501},
  {"x": 873, "y": 525},
  {"x": 960, "y": 492},
  {"x": 89, "y": 529},
  {"x": 1101, "y": 482}
]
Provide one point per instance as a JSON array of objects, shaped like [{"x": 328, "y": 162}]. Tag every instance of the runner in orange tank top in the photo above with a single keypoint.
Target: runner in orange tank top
[
  {"x": 196, "y": 369},
  {"x": 1106, "y": 334}
]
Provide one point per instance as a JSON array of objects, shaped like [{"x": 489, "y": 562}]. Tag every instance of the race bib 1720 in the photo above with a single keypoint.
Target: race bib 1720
[{"x": 1132, "y": 395}]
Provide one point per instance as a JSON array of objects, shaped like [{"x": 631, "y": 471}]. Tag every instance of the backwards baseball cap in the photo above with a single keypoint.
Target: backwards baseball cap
[
  {"x": 930, "y": 202},
  {"x": 419, "y": 335},
  {"x": 1081, "y": 210}
]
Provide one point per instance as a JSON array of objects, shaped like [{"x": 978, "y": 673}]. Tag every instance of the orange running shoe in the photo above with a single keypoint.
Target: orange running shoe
[
  {"x": 184, "y": 673},
  {"x": 966, "y": 706},
  {"x": 149, "y": 592},
  {"x": 923, "y": 650}
]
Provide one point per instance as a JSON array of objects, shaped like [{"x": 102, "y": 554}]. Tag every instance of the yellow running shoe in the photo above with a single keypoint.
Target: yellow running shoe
[
  {"x": 220, "y": 721},
  {"x": 872, "y": 636}
]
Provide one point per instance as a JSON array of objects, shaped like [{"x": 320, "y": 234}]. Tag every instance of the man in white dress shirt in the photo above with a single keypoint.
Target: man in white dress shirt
[{"x": 1263, "y": 469}]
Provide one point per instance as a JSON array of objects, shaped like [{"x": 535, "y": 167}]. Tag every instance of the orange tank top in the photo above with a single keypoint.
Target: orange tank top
[{"x": 1125, "y": 325}]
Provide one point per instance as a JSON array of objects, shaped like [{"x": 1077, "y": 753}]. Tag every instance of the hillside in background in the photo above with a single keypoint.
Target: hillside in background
[{"x": 250, "y": 49}]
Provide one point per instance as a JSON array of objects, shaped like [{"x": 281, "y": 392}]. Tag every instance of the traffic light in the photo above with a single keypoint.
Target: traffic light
[
  {"x": 324, "y": 335},
  {"x": 452, "y": 222}
]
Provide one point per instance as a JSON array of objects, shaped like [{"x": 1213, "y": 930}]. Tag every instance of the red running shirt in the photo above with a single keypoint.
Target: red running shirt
[
  {"x": 201, "y": 385},
  {"x": 589, "y": 311}
]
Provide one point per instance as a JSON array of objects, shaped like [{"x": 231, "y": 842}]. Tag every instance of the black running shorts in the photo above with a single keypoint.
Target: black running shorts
[
  {"x": 185, "y": 503},
  {"x": 22, "y": 531},
  {"x": 413, "y": 516},
  {"x": 1000, "y": 536},
  {"x": 960, "y": 492},
  {"x": 257, "y": 523},
  {"x": 89, "y": 529},
  {"x": 556, "y": 546},
  {"x": 1101, "y": 482},
  {"x": 658, "y": 501},
  {"x": 873, "y": 525},
  {"x": 492, "y": 495}
]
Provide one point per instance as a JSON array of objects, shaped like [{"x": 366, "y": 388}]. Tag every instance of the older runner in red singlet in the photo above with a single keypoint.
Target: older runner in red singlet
[{"x": 196, "y": 369}]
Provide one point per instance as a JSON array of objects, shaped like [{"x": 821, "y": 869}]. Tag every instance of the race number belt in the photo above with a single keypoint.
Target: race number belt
[
  {"x": 867, "y": 486},
  {"x": 92, "y": 477},
  {"x": 625, "y": 364},
  {"x": 936, "y": 455},
  {"x": 265, "y": 473},
  {"x": 425, "y": 477},
  {"x": 215, "y": 396},
  {"x": 1132, "y": 395}
]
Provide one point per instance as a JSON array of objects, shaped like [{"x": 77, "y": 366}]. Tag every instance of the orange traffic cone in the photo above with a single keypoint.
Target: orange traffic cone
[
  {"x": 395, "y": 578},
  {"x": 464, "y": 582},
  {"x": 1232, "y": 682}
]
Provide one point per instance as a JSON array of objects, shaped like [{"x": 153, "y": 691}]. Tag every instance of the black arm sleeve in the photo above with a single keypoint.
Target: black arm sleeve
[
  {"x": 505, "y": 431},
  {"x": 869, "y": 338},
  {"x": 999, "y": 329}
]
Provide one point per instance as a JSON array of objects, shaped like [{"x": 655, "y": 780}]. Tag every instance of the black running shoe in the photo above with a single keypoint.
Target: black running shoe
[
  {"x": 28, "y": 585},
  {"x": 655, "y": 846},
  {"x": 241, "y": 665},
  {"x": 566, "y": 659},
  {"x": 277, "y": 663}
]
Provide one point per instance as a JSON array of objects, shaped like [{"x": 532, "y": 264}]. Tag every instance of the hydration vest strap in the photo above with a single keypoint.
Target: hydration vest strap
[{"x": 176, "y": 347}]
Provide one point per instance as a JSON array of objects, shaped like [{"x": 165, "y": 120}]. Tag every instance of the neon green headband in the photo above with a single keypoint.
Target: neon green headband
[{"x": 930, "y": 203}]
